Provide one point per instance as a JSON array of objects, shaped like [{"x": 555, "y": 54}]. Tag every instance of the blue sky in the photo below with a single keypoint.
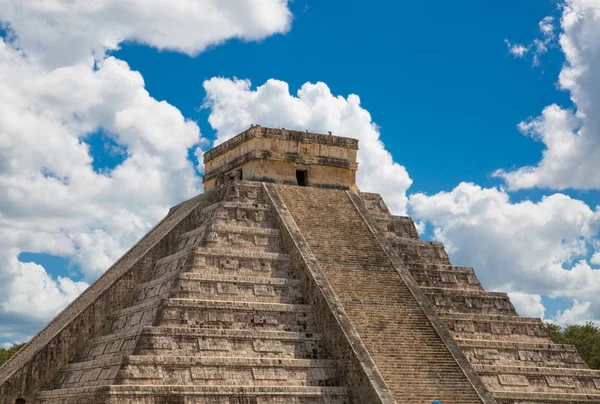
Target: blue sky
[
  {"x": 440, "y": 83},
  {"x": 438, "y": 80}
]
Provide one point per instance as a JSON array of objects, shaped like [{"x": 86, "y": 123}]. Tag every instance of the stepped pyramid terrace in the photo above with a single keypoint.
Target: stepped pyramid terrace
[{"x": 284, "y": 283}]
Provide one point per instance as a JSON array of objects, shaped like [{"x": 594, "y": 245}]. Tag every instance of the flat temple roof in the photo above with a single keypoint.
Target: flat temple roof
[{"x": 285, "y": 134}]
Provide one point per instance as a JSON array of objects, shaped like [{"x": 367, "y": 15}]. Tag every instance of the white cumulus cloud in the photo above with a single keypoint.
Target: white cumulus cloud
[
  {"x": 60, "y": 32},
  {"x": 579, "y": 313},
  {"x": 524, "y": 247},
  {"x": 234, "y": 105},
  {"x": 516, "y": 49},
  {"x": 571, "y": 137}
]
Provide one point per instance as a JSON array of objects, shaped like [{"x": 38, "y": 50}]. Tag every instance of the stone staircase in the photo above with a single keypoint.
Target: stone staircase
[
  {"x": 222, "y": 319},
  {"x": 513, "y": 355},
  {"x": 406, "y": 348}
]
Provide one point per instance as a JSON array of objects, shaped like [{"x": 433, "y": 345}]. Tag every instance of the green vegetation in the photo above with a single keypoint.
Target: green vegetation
[
  {"x": 586, "y": 339},
  {"x": 5, "y": 354}
]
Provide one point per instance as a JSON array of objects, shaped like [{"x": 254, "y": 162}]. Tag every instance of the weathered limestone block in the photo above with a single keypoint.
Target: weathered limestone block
[
  {"x": 444, "y": 276},
  {"x": 420, "y": 251},
  {"x": 522, "y": 354},
  {"x": 180, "y": 342},
  {"x": 531, "y": 379},
  {"x": 252, "y": 239},
  {"x": 449, "y": 301},
  {"x": 197, "y": 395},
  {"x": 227, "y": 371},
  {"x": 491, "y": 327},
  {"x": 240, "y": 262},
  {"x": 236, "y": 315},
  {"x": 238, "y": 288}
]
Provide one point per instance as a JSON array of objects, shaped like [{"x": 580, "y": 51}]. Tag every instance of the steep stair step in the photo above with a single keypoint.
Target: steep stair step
[
  {"x": 94, "y": 372},
  {"x": 195, "y": 236},
  {"x": 397, "y": 226},
  {"x": 542, "y": 379},
  {"x": 521, "y": 354},
  {"x": 442, "y": 275},
  {"x": 110, "y": 346},
  {"x": 469, "y": 301},
  {"x": 420, "y": 251},
  {"x": 250, "y": 214},
  {"x": 133, "y": 317},
  {"x": 237, "y": 315},
  {"x": 495, "y": 327},
  {"x": 199, "y": 394},
  {"x": 509, "y": 397},
  {"x": 408, "y": 352},
  {"x": 236, "y": 371},
  {"x": 222, "y": 342},
  {"x": 193, "y": 285},
  {"x": 240, "y": 262},
  {"x": 159, "y": 287},
  {"x": 233, "y": 236}
]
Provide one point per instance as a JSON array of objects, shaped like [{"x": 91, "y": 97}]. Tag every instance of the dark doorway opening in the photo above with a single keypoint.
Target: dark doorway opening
[
  {"x": 302, "y": 177},
  {"x": 20, "y": 401}
]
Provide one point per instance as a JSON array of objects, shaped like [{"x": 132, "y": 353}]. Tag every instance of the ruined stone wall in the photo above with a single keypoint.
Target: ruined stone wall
[
  {"x": 274, "y": 155},
  {"x": 321, "y": 176}
]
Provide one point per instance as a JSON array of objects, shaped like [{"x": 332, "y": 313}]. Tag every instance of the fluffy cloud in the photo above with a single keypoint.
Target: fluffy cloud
[
  {"x": 45, "y": 117},
  {"x": 57, "y": 91},
  {"x": 35, "y": 294},
  {"x": 61, "y": 32},
  {"x": 527, "y": 304},
  {"x": 579, "y": 313},
  {"x": 51, "y": 198},
  {"x": 525, "y": 247},
  {"x": 539, "y": 46},
  {"x": 234, "y": 106},
  {"x": 571, "y": 137},
  {"x": 516, "y": 49}
]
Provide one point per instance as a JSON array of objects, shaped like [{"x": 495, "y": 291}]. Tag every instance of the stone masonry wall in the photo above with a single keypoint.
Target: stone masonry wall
[
  {"x": 34, "y": 367},
  {"x": 274, "y": 155},
  {"x": 221, "y": 319}
]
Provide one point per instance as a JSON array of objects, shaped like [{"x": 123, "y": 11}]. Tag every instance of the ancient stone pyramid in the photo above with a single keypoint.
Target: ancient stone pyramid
[{"x": 283, "y": 283}]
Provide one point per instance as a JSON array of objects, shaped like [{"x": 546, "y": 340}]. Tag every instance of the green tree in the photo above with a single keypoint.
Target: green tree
[
  {"x": 586, "y": 339},
  {"x": 5, "y": 354}
]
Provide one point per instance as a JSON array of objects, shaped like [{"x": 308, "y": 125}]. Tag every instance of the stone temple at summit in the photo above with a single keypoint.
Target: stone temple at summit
[{"x": 283, "y": 283}]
